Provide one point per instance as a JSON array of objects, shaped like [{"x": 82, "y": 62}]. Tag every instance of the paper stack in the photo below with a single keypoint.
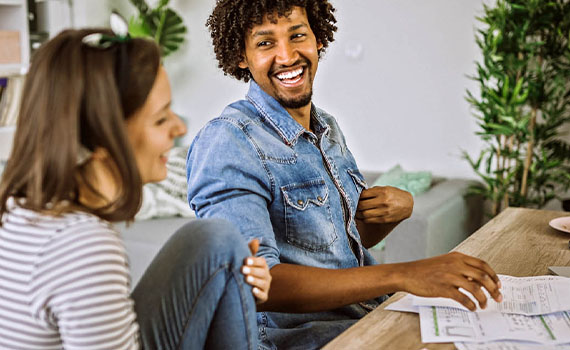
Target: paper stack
[{"x": 534, "y": 314}]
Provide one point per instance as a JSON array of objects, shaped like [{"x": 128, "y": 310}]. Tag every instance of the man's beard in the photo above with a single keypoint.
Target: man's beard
[
  {"x": 297, "y": 102},
  {"x": 301, "y": 101}
]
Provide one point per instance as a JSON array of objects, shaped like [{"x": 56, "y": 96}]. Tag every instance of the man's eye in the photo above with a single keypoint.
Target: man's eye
[
  {"x": 298, "y": 35},
  {"x": 263, "y": 43}
]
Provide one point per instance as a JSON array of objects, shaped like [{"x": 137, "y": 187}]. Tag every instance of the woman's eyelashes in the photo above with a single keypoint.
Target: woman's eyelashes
[{"x": 161, "y": 120}]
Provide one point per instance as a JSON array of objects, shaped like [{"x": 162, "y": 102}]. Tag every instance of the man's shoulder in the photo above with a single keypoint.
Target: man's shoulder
[
  {"x": 231, "y": 128},
  {"x": 239, "y": 113}
]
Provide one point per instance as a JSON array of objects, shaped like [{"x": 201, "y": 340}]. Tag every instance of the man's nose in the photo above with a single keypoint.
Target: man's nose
[{"x": 286, "y": 54}]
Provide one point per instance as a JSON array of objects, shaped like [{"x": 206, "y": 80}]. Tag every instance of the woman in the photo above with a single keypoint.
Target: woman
[{"x": 95, "y": 124}]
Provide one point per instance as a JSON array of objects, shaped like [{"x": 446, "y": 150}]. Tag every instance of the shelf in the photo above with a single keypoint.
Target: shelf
[
  {"x": 11, "y": 2},
  {"x": 7, "y": 70},
  {"x": 7, "y": 130},
  {"x": 14, "y": 17}
]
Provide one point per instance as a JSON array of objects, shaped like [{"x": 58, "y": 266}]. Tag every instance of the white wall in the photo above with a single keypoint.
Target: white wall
[
  {"x": 402, "y": 101},
  {"x": 395, "y": 78}
]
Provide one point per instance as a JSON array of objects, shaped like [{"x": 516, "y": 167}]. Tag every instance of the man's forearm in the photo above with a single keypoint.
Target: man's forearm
[{"x": 298, "y": 289}]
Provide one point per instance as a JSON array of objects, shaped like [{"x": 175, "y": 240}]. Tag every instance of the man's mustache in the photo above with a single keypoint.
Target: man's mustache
[{"x": 298, "y": 62}]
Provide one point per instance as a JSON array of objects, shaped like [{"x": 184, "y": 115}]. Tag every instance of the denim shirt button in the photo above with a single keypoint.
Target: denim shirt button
[
  {"x": 300, "y": 202},
  {"x": 320, "y": 198}
]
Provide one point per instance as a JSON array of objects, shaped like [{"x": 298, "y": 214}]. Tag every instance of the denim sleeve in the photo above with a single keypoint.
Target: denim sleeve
[{"x": 227, "y": 180}]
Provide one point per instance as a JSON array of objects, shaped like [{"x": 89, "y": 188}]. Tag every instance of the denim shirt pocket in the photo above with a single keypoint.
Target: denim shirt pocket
[
  {"x": 358, "y": 180},
  {"x": 308, "y": 218}
]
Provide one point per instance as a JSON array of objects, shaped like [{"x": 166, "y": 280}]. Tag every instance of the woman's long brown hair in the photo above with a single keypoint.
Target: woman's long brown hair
[{"x": 71, "y": 98}]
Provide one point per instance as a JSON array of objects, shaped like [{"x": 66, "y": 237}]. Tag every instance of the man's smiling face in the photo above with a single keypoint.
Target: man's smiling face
[{"x": 283, "y": 57}]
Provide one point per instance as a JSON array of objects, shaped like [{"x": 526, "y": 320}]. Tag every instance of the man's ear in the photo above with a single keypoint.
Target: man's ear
[
  {"x": 243, "y": 64},
  {"x": 319, "y": 46}
]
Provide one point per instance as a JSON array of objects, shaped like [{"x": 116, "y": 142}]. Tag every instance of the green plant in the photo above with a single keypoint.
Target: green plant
[
  {"x": 160, "y": 23},
  {"x": 524, "y": 80}
]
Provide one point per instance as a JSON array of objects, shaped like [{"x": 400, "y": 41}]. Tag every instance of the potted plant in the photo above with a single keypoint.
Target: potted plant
[
  {"x": 524, "y": 99},
  {"x": 161, "y": 23}
]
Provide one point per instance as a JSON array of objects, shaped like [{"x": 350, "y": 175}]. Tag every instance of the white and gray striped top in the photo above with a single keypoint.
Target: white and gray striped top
[{"x": 64, "y": 283}]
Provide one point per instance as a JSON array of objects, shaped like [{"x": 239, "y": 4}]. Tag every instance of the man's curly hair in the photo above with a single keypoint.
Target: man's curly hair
[{"x": 231, "y": 20}]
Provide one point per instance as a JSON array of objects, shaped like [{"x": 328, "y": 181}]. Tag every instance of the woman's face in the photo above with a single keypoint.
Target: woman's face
[{"x": 152, "y": 130}]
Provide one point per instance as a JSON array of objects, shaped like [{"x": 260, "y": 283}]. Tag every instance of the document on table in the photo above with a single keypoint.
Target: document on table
[
  {"x": 446, "y": 324},
  {"x": 537, "y": 295},
  {"x": 509, "y": 345},
  {"x": 404, "y": 304}
]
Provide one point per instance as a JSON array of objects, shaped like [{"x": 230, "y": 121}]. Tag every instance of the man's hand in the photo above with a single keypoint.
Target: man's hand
[
  {"x": 257, "y": 273},
  {"x": 443, "y": 275},
  {"x": 384, "y": 204}
]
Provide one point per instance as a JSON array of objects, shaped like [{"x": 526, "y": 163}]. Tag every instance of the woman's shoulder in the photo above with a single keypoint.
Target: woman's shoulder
[
  {"x": 79, "y": 220},
  {"x": 85, "y": 231},
  {"x": 56, "y": 230},
  {"x": 83, "y": 246}
]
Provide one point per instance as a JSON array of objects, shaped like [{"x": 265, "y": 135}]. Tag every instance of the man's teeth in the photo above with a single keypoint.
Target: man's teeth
[{"x": 290, "y": 75}]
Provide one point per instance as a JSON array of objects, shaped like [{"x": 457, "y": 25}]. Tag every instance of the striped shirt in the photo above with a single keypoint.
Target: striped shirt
[{"x": 64, "y": 283}]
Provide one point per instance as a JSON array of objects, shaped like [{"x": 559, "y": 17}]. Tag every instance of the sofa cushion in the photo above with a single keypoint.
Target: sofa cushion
[
  {"x": 414, "y": 182},
  {"x": 168, "y": 197}
]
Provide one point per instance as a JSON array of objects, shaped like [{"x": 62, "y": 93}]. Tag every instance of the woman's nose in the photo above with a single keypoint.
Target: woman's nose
[{"x": 179, "y": 127}]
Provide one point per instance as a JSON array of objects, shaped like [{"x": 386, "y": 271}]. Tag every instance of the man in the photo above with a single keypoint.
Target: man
[{"x": 278, "y": 167}]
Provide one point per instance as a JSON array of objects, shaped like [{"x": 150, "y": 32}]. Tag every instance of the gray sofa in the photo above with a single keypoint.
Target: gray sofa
[{"x": 442, "y": 218}]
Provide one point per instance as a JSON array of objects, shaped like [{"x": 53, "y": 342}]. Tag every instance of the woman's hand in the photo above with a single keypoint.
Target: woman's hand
[{"x": 257, "y": 273}]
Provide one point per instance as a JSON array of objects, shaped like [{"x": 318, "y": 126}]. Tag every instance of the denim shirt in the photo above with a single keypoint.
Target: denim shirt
[{"x": 295, "y": 190}]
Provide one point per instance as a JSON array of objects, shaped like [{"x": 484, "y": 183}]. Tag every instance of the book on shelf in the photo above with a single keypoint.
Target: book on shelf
[{"x": 10, "y": 98}]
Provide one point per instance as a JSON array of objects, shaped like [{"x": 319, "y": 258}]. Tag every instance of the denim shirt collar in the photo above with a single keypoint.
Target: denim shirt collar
[{"x": 278, "y": 117}]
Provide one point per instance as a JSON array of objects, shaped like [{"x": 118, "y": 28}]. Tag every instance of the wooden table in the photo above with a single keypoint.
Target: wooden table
[{"x": 518, "y": 242}]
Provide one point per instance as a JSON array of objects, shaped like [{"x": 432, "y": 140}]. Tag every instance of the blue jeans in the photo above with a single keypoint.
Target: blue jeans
[{"x": 193, "y": 295}]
